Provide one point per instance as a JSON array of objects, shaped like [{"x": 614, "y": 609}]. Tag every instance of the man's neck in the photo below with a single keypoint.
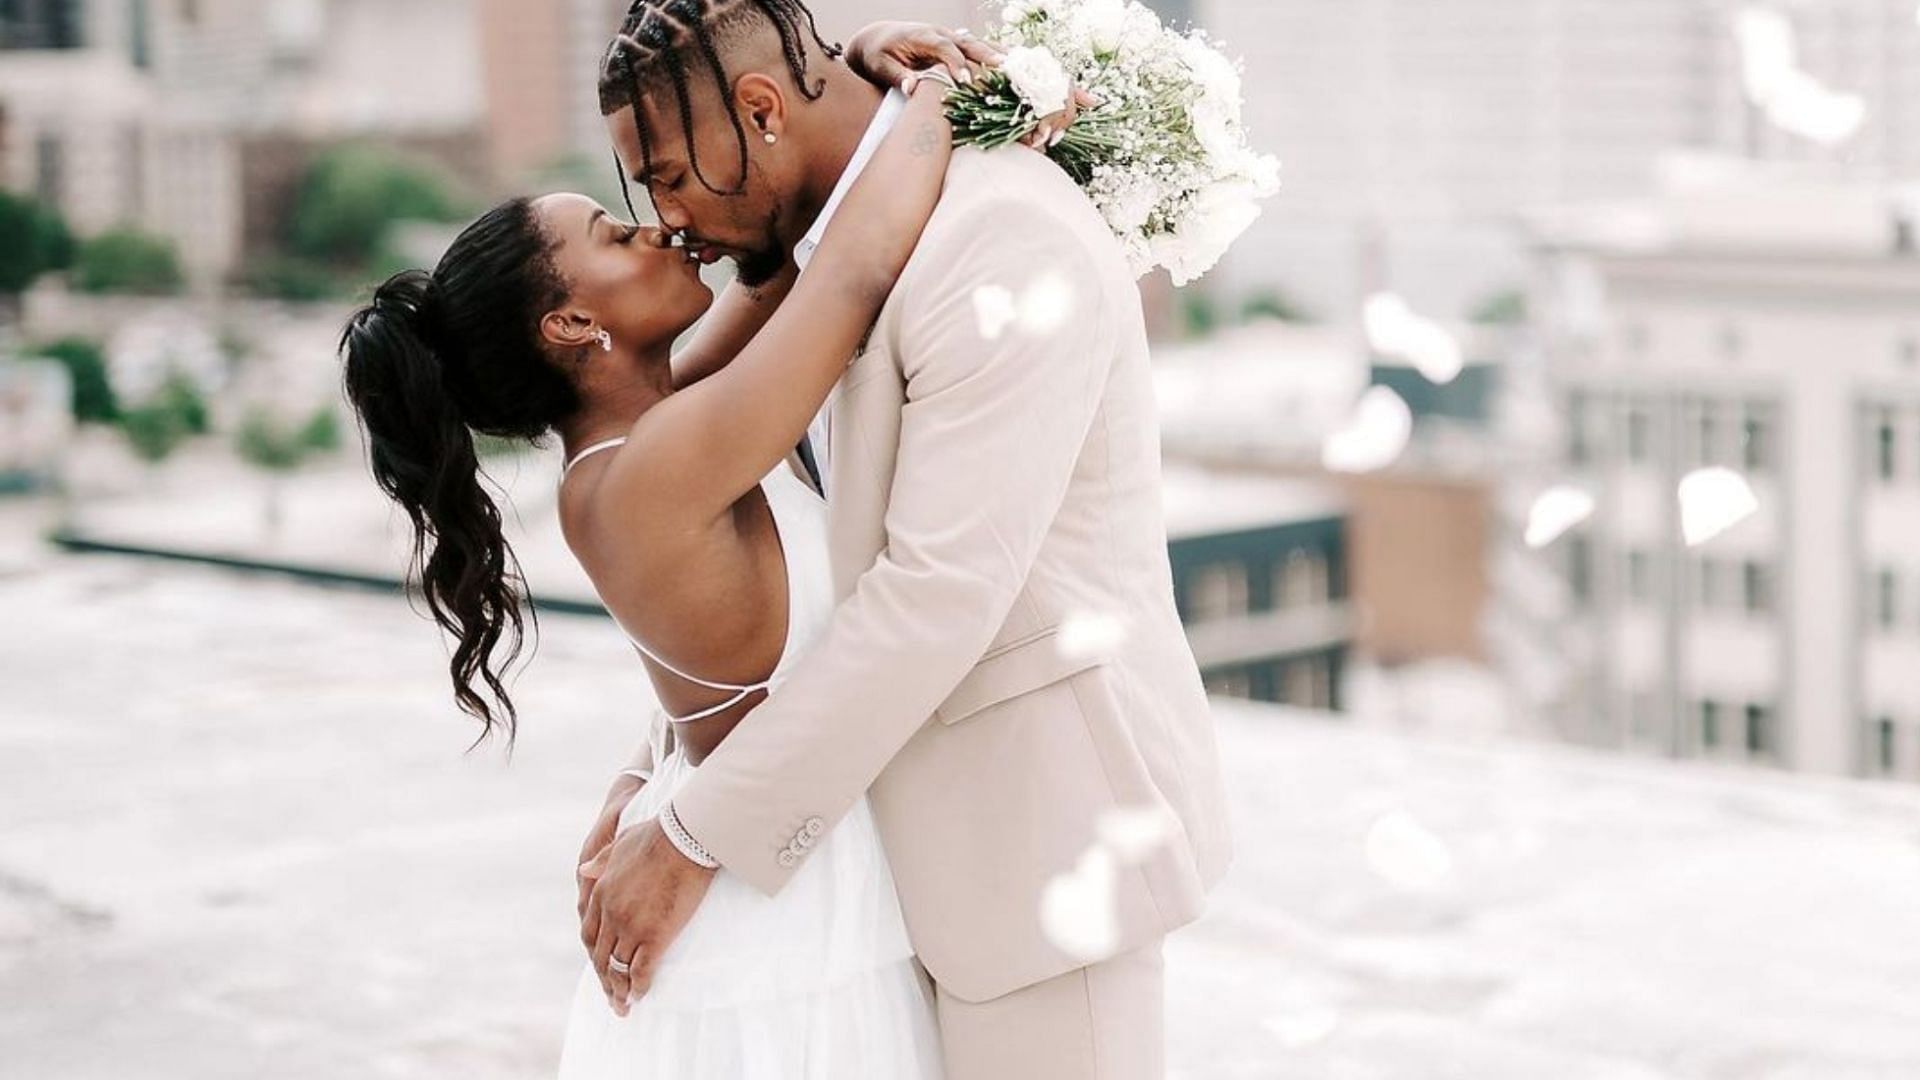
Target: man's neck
[{"x": 848, "y": 107}]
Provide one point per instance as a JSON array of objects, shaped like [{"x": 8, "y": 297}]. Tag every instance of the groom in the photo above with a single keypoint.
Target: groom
[{"x": 1006, "y": 676}]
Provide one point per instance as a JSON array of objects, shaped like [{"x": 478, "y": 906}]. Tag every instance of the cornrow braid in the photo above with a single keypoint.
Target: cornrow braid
[{"x": 656, "y": 43}]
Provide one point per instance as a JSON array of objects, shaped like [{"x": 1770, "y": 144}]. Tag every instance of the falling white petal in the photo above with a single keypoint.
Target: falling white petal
[
  {"x": 1374, "y": 436},
  {"x": 1087, "y": 634},
  {"x": 994, "y": 306},
  {"x": 1712, "y": 501},
  {"x": 1046, "y": 303},
  {"x": 1554, "y": 512},
  {"x": 1406, "y": 853},
  {"x": 1132, "y": 833},
  {"x": 1079, "y": 910},
  {"x": 1395, "y": 329},
  {"x": 1790, "y": 98}
]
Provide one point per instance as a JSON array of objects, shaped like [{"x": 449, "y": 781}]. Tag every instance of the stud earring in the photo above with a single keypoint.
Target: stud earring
[
  {"x": 606, "y": 341},
  {"x": 771, "y": 138}
]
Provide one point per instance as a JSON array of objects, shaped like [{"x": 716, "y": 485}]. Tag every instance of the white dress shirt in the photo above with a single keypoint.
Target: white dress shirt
[{"x": 884, "y": 119}]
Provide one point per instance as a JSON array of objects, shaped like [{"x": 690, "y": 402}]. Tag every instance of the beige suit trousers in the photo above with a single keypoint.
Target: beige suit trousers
[{"x": 1103, "y": 1022}]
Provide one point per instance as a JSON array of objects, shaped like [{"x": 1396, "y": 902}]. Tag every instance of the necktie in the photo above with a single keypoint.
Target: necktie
[{"x": 813, "y": 468}]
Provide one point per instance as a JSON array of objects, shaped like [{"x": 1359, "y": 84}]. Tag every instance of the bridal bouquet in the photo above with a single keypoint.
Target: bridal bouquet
[{"x": 1164, "y": 156}]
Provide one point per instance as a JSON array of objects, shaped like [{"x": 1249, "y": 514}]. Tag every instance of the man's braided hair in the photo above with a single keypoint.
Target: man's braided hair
[{"x": 668, "y": 42}]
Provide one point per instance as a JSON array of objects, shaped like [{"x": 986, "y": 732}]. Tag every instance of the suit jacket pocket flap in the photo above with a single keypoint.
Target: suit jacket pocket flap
[{"x": 1013, "y": 670}]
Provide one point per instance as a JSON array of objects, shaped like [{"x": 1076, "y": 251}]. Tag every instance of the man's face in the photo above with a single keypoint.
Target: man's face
[{"x": 744, "y": 227}]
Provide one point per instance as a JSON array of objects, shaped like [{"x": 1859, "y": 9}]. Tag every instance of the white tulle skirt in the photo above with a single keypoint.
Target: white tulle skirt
[{"x": 816, "y": 983}]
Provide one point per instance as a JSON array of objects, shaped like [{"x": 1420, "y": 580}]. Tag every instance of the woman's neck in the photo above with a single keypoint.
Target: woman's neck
[{"x": 614, "y": 406}]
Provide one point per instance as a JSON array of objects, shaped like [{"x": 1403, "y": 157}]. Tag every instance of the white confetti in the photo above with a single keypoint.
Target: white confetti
[
  {"x": 1374, "y": 437},
  {"x": 1557, "y": 510},
  {"x": 1079, "y": 911},
  {"x": 1395, "y": 329},
  {"x": 1088, "y": 634},
  {"x": 1712, "y": 501},
  {"x": 1132, "y": 833},
  {"x": 1791, "y": 99},
  {"x": 1041, "y": 308},
  {"x": 1406, "y": 853}
]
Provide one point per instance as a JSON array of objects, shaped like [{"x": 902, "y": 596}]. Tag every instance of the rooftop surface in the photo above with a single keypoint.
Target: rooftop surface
[{"x": 241, "y": 840}]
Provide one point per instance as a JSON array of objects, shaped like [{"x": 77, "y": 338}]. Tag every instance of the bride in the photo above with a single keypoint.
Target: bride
[{"x": 684, "y": 499}]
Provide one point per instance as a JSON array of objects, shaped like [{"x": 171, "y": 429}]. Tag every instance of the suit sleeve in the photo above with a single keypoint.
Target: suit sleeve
[{"x": 1006, "y": 342}]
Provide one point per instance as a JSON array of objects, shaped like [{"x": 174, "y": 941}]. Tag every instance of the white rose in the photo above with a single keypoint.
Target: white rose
[
  {"x": 1212, "y": 71},
  {"x": 1215, "y": 125},
  {"x": 1130, "y": 204},
  {"x": 1039, "y": 78},
  {"x": 1102, "y": 23},
  {"x": 1219, "y": 215}
]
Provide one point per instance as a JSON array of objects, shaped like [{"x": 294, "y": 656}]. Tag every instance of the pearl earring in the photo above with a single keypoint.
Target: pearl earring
[
  {"x": 771, "y": 138},
  {"x": 605, "y": 339}
]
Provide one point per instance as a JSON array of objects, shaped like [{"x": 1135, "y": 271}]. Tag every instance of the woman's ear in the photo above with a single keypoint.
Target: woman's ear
[
  {"x": 568, "y": 328},
  {"x": 762, "y": 106}
]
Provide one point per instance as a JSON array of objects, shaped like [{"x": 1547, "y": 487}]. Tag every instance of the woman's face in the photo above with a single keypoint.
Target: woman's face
[{"x": 623, "y": 277}]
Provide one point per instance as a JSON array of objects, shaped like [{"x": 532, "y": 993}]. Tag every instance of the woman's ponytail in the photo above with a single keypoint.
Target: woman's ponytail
[{"x": 423, "y": 456}]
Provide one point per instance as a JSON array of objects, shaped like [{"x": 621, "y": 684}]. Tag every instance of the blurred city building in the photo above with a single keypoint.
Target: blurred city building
[
  {"x": 1413, "y": 133},
  {"x": 1260, "y": 578},
  {"x": 1766, "y": 322}
]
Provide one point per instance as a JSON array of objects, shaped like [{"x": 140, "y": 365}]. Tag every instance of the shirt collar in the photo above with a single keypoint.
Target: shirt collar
[{"x": 883, "y": 121}]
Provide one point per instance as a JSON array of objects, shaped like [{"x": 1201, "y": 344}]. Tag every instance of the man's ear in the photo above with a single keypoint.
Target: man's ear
[
  {"x": 567, "y": 328},
  {"x": 762, "y": 105}
]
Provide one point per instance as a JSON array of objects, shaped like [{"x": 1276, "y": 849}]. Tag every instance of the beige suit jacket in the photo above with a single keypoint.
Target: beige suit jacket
[{"x": 1006, "y": 667}]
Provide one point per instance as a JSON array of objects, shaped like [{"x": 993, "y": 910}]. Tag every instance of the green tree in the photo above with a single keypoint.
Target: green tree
[
  {"x": 1507, "y": 308},
  {"x": 129, "y": 261},
  {"x": 352, "y": 196},
  {"x": 1200, "y": 313},
  {"x": 182, "y": 396},
  {"x": 33, "y": 240},
  {"x": 86, "y": 363},
  {"x": 1273, "y": 304},
  {"x": 278, "y": 447},
  {"x": 155, "y": 430}
]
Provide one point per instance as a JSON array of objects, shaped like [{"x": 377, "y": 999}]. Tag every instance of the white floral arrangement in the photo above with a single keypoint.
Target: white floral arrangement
[{"x": 1164, "y": 156}]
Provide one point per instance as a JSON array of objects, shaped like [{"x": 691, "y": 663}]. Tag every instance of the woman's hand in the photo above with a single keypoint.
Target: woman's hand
[
  {"x": 624, "y": 789},
  {"x": 894, "y": 53}
]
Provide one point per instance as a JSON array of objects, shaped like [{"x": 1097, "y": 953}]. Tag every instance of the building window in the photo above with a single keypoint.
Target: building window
[
  {"x": 1756, "y": 440},
  {"x": 50, "y": 175},
  {"x": 1706, "y": 433},
  {"x": 1886, "y": 746},
  {"x": 1639, "y": 576},
  {"x": 1639, "y": 434},
  {"x": 1759, "y": 731},
  {"x": 1307, "y": 683},
  {"x": 1709, "y": 724},
  {"x": 1579, "y": 445},
  {"x": 1886, "y": 445},
  {"x": 1706, "y": 579},
  {"x": 1302, "y": 576},
  {"x": 1886, "y": 600},
  {"x": 1233, "y": 684},
  {"x": 1580, "y": 569},
  {"x": 1218, "y": 592},
  {"x": 1756, "y": 588}
]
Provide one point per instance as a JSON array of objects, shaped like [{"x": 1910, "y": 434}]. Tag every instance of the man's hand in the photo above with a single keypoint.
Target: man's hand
[
  {"x": 623, "y": 791},
  {"x": 644, "y": 892}
]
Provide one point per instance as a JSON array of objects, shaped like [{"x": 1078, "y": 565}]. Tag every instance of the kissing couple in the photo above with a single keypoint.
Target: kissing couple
[{"x": 935, "y": 775}]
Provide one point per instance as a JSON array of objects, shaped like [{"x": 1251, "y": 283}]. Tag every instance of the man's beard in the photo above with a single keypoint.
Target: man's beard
[{"x": 757, "y": 268}]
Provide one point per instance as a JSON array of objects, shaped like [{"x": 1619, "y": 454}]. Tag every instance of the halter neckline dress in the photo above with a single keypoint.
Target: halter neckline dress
[{"x": 817, "y": 982}]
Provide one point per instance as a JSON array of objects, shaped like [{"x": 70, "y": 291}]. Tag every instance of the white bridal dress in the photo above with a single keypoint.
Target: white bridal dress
[{"x": 815, "y": 983}]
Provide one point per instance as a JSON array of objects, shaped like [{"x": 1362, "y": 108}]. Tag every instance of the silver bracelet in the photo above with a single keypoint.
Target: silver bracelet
[{"x": 678, "y": 835}]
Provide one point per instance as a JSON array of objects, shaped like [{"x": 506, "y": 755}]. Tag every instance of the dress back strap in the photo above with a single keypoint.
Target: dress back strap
[{"x": 589, "y": 451}]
